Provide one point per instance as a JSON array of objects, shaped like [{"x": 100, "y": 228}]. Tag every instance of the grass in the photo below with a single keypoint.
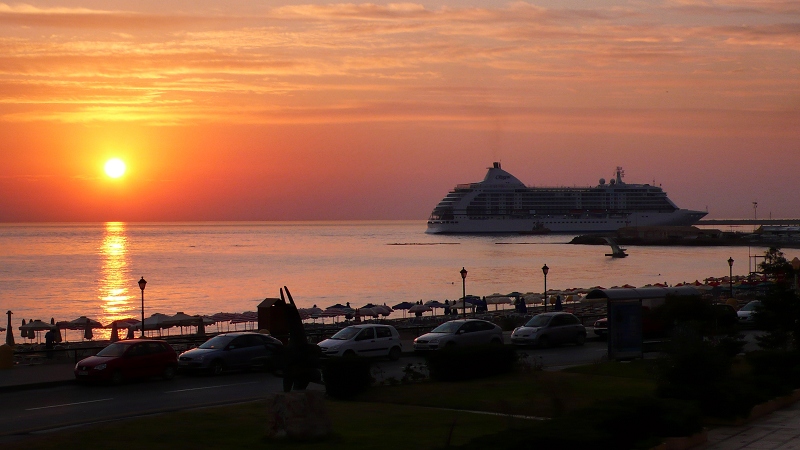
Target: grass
[{"x": 418, "y": 416}]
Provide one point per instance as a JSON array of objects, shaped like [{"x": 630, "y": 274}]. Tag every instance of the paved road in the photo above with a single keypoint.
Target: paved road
[{"x": 48, "y": 408}]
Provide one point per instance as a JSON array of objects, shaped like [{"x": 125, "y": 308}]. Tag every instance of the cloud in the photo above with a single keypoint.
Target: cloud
[{"x": 313, "y": 63}]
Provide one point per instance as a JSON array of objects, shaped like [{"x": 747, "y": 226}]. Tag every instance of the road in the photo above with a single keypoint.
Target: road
[{"x": 39, "y": 410}]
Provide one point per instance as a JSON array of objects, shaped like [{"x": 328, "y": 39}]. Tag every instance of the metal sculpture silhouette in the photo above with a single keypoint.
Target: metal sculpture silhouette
[{"x": 301, "y": 359}]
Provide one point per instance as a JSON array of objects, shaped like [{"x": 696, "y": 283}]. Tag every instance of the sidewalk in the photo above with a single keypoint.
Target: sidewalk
[
  {"x": 777, "y": 430},
  {"x": 34, "y": 376}
]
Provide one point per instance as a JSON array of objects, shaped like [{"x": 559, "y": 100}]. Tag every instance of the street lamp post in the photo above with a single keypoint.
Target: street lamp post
[
  {"x": 464, "y": 291},
  {"x": 730, "y": 275},
  {"x": 142, "y": 284},
  {"x": 545, "y": 269}
]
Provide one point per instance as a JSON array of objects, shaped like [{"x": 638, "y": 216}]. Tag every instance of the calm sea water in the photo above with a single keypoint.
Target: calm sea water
[{"x": 67, "y": 270}]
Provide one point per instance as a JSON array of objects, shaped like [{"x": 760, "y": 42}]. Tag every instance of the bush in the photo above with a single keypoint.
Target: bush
[
  {"x": 700, "y": 371},
  {"x": 775, "y": 368},
  {"x": 346, "y": 377},
  {"x": 627, "y": 423},
  {"x": 466, "y": 363}
]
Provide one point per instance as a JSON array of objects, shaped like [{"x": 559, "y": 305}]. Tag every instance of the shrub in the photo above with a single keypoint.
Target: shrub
[
  {"x": 346, "y": 377},
  {"x": 466, "y": 363},
  {"x": 779, "y": 369}
]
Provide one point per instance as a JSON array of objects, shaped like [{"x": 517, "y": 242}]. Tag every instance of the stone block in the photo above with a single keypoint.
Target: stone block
[{"x": 297, "y": 415}]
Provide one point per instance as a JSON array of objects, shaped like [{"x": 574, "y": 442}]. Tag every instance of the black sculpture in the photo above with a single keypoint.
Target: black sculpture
[{"x": 301, "y": 359}]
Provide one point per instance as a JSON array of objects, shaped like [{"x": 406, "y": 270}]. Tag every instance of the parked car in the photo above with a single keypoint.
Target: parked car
[
  {"x": 746, "y": 313},
  {"x": 552, "y": 328},
  {"x": 369, "y": 340},
  {"x": 238, "y": 350},
  {"x": 458, "y": 333},
  {"x": 601, "y": 327},
  {"x": 128, "y": 359}
]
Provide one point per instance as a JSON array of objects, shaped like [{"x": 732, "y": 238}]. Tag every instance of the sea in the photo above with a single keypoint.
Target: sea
[{"x": 61, "y": 271}]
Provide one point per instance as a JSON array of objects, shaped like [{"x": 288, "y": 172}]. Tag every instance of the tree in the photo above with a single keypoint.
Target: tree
[{"x": 779, "y": 313}]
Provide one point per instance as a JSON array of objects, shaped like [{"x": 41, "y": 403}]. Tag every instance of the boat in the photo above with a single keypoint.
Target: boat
[
  {"x": 501, "y": 203},
  {"x": 538, "y": 228}
]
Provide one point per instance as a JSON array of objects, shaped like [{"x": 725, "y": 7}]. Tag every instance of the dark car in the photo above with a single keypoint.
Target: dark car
[
  {"x": 240, "y": 350},
  {"x": 552, "y": 328},
  {"x": 129, "y": 359}
]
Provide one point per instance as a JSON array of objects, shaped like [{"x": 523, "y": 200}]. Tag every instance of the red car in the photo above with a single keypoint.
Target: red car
[{"x": 123, "y": 360}]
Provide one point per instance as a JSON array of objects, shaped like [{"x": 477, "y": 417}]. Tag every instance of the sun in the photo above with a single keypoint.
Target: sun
[{"x": 115, "y": 168}]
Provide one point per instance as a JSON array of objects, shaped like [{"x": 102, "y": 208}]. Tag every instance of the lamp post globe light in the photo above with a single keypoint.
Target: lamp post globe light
[
  {"x": 142, "y": 284},
  {"x": 730, "y": 276},
  {"x": 545, "y": 269},
  {"x": 464, "y": 291}
]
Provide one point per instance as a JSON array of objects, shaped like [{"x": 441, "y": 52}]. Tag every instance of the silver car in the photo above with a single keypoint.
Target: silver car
[
  {"x": 458, "y": 333},
  {"x": 241, "y": 350},
  {"x": 364, "y": 340},
  {"x": 552, "y": 328}
]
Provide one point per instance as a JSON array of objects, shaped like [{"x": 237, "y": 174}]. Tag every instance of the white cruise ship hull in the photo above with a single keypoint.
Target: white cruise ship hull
[{"x": 499, "y": 225}]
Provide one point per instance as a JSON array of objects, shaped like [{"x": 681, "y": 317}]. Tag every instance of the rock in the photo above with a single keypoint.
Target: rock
[{"x": 297, "y": 415}]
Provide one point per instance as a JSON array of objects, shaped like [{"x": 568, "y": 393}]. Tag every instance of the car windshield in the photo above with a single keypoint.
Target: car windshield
[
  {"x": 217, "y": 342},
  {"x": 113, "y": 350},
  {"x": 750, "y": 306},
  {"x": 447, "y": 327},
  {"x": 537, "y": 321},
  {"x": 346, "y": 333}
]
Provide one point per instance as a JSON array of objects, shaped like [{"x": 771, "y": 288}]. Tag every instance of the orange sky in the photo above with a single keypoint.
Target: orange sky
[{"x": 303, "y": 110}]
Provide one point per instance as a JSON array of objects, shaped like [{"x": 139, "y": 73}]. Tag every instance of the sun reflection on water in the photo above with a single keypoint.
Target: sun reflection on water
[{"x": 114, "y": 285}]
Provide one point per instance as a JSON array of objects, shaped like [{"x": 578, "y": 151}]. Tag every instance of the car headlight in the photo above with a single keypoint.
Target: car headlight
[{"x": 100, "y": 366}]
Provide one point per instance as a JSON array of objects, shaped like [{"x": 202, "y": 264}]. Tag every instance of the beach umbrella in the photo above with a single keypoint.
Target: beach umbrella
[
  {"x": 403, "y": 305},
  {"x": 498, "y": 299},
  {"x": 368, "y": 312},
  {"x": 114, "y": 332},
  {"x": 180, "y": 319},
  {"x": 532, "y": 299},
  {"x": 383, "y": 310},
  {"x": 83, "y": 322},
  {"x": 420, "y": 308},
  {"x": 336, "y": 306}
]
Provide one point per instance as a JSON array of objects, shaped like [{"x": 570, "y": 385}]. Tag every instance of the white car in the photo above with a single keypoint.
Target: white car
[
  {"x": 745, "y": 314},
  {"x": 370, "y": 340},
  {"x": 458, "y": 333}
]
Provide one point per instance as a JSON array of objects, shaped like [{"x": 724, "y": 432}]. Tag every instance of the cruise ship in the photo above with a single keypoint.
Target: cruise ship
[{"x": 503, "y": 204}]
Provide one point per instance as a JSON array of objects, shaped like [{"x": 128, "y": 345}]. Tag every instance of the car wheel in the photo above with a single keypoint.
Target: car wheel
[
  {"x": 116, "y": 377},
  {"x": 581, "y": 339},
  {"x": 394, "y": 353},
  {"x": 169, "y": 373},
  {"x": 544, "y": 342},
  {"x": 349, "y": 354},
  {"x": 217, "y": 367}
]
